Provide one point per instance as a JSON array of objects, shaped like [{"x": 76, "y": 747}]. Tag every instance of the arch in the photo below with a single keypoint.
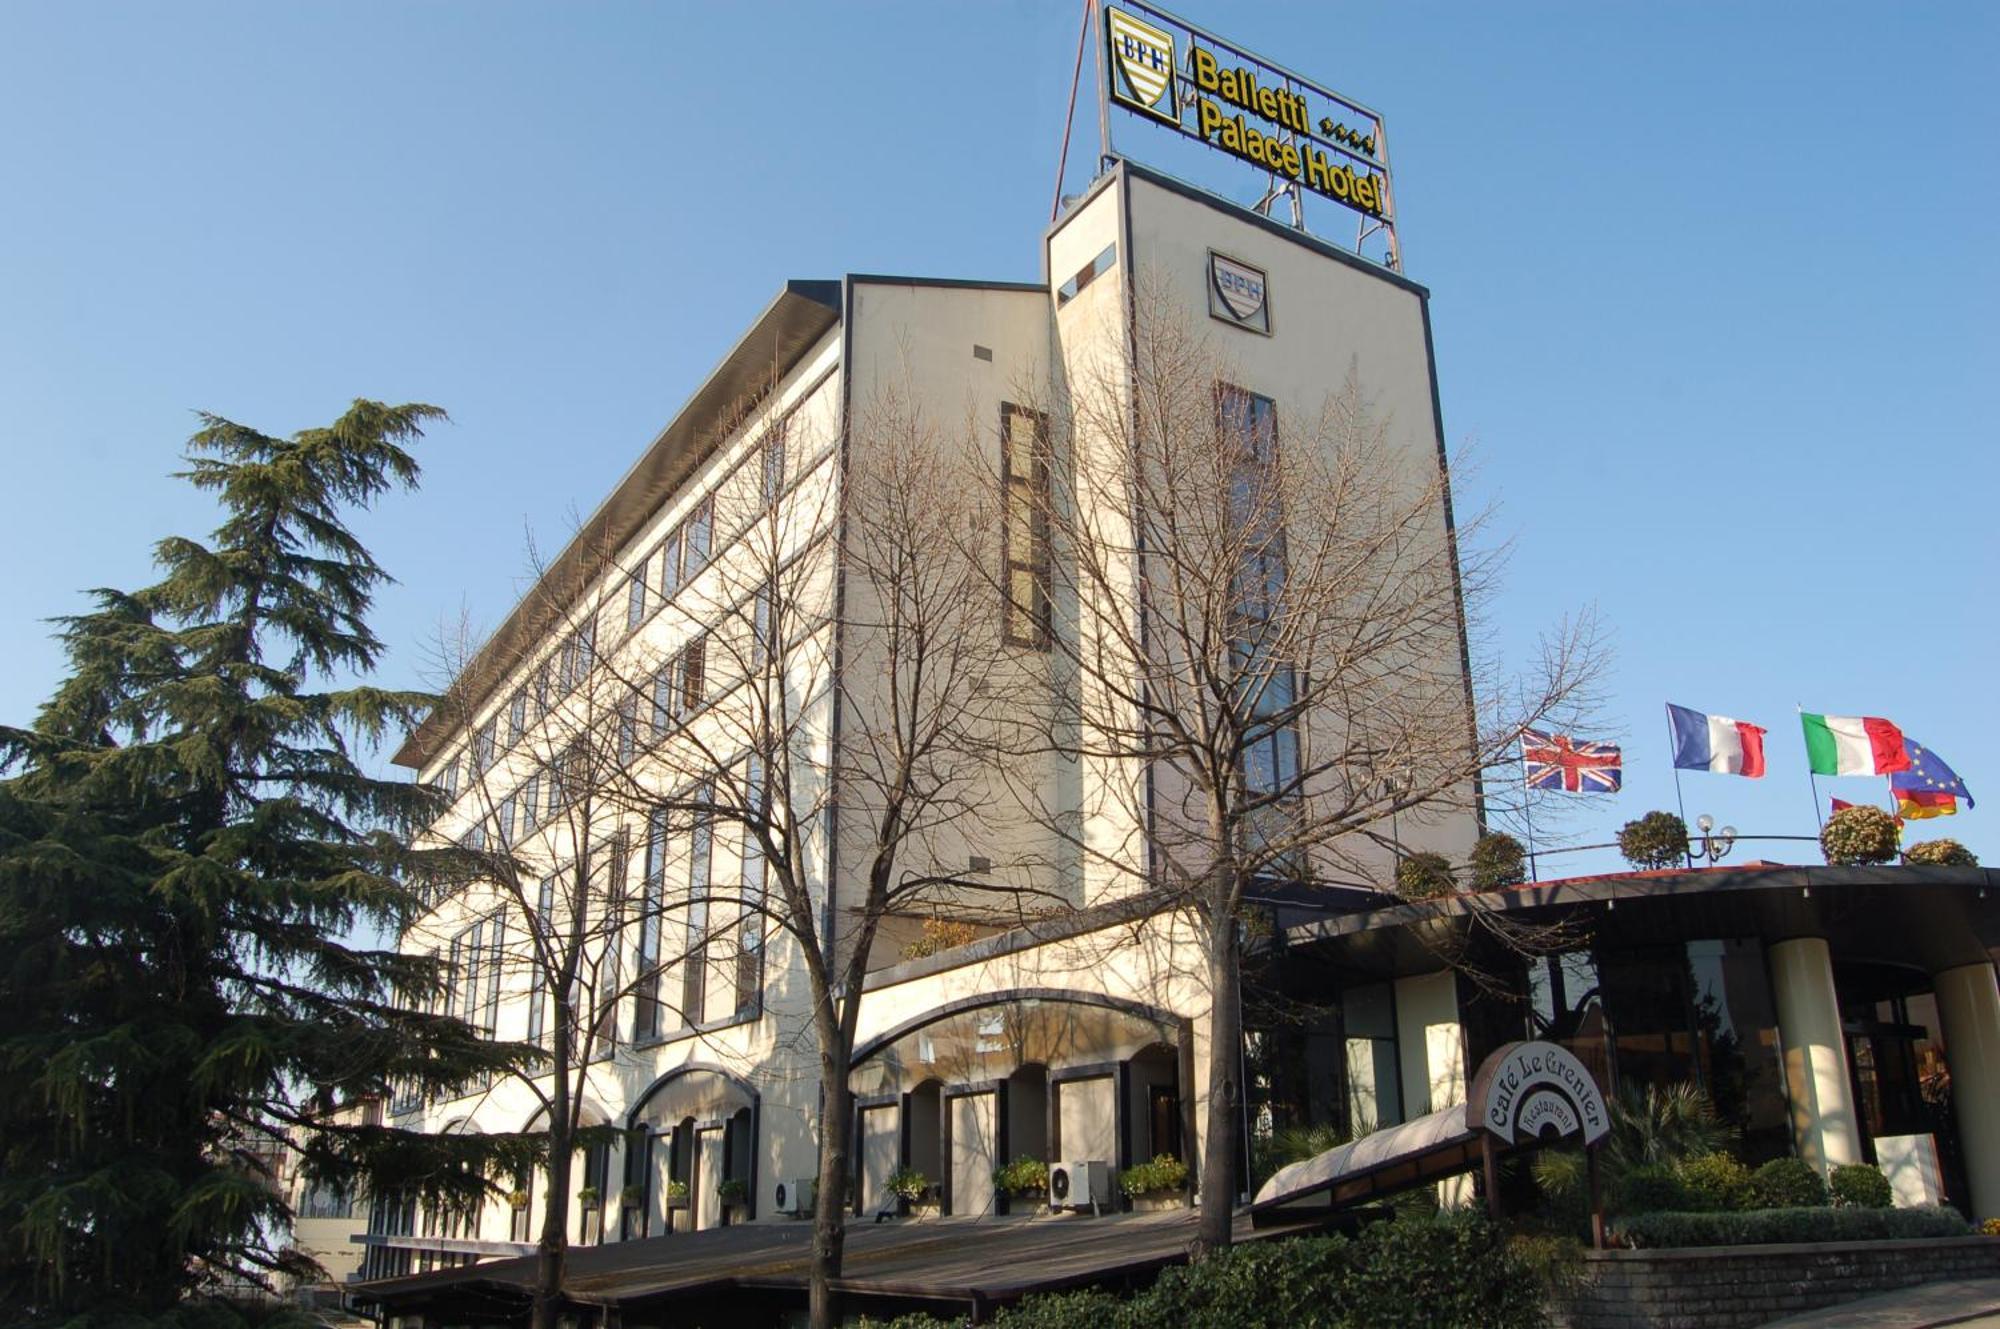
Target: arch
[
  {"x": 1123, "y": 1005},
  {"x": 638, "y": 1109}
]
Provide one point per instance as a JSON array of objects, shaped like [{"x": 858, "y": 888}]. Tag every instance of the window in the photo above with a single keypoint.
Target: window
[
  {"x": 763, "y": 629},
  {"x": 484, "y": 744},
  {"x": 693, "y": 671},
  {"x": 700, "y": 531},
  {"x": 517, "y": 716},
  {"x": 750, "y": 930},
  {"x": 610, "y": 972},
  {"x": 694, "y": 969},
  {"x": 774, "y": 466},
  {"x": 646, "y": 1012},
  {"x": 579, "y": 654},
  {"x": 635, "y": 598},
  {"x": 448, "y": 777},
  {"x": 544, "y": 923},
  {"x": 1025, "y": 472},
  {"x": 670, "y": 565},
  {"x": 1267, "y": 687},
  {"x": 665, "y": 709},
  {"x": 530, "y": 799},
  {"x": 628, "y": 728},
  {"x": 1087, "y": 274},
  {"x": 503, "y": 819},
  {"x": 489, "y": 1009}
]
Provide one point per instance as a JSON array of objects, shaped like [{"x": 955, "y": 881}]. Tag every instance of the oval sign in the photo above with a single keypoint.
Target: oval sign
[{"x": 1527, "y": 1092}]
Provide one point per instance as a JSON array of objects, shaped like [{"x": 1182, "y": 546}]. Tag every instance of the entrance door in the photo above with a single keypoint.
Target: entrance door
[{"x": 972, "y": 1147}]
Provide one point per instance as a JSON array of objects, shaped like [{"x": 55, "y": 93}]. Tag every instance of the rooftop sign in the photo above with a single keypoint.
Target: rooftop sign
[{"x": 1173, "y": 74}]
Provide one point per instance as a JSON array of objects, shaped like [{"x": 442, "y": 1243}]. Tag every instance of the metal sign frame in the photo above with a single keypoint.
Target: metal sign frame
[{"x": 1339, "y": 142}]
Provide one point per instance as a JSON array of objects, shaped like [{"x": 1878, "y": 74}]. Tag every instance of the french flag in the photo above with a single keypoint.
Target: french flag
[{"x": 1715, "y": 743}]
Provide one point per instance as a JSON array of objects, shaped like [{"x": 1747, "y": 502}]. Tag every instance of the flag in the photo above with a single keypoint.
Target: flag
[
  {"x": 1929, "y": 788},
  {"x": 1853, "y": 745},
  {"x": 1842, "y": 805},
  {"x": 1554, "y": 761},
  {"x": 1716, "y": 743}
]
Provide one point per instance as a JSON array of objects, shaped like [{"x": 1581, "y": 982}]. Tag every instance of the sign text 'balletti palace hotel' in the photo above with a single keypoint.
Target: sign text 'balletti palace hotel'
[{"x": 1813, "y": 1004}]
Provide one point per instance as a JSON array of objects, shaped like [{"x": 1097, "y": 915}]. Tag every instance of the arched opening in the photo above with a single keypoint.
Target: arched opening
[
  {"x": 699, "y": 1127},
  {"x": 923, "y": 1130},
  {"x": 589, "y": 1176}
]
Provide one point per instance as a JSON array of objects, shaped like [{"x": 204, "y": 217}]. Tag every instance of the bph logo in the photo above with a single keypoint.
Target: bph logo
[
  {"x": 1237, "y": 293},
  {"x": 1142, "y": 65}
]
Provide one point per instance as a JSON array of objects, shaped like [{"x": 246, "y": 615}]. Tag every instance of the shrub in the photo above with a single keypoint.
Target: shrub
[
  {"x": 1163, "y": 1174},
  {"x": 1766, "y": 1227},
  {"x": 1990, "y": 1228},
  {"x": 588, "y": 1197},
  {"x": 1649, "y": 1189},
  {"x": 677, "y": 1189},
  {"x": 940, "y": 934},
  {"x": 733, "y": 1191},
  {"x": 632, "y": 1196},
  {"x": 1423, "y": 876},
  {"x": 1858, "y": 835},
  {"x": 1497, "y": 861},
  {"x": 1023, "y": 1176},
  {"x": 1656, "y": 840},
  {"x": 1859, "y": 1186},
  {"x": 1787, "y": 1183},
  {"x": 1715, "y": 1183},
  {"x": 1941, "y": 854},
  {"x": 906, "y": 1183}
]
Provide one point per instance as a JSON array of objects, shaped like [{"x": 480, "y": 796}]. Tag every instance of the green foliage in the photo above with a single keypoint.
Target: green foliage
[
  {"x": 1990, "y": 1228},
  {"x": 907, "y": 1183},
  {"x": 1498, "y": 861},
  {"x": 1860, "y": 1186},
  {"x": 187, "y": 836},
  {"x": 1944, "y": 853},
  {"x": 1715, "y": 1183},
  {"x": 1650, "y": 1188},
  {"x": 1765, "y": 1227},
  {"x": 733, "y": 1191},
  {"x": 1158, "y": 1176},
  {"x": 1452, "y": 1272},
  {"x": 1555, "y": 1261},
  {"x": 1787, "y": 1183},
  {"x": 1424, "y": 876},
  {"x": 1023, "y": 1176},
  {"x": 1656, "y": 840},
  {"x": 1858, "y": 835}
]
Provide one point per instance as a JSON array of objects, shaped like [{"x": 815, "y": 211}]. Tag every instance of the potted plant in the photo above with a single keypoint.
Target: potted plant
[
  {"x": 677, "y": 1193},
  {"x": 1656, "y": 840},
  {"x": 1859, "y": 835},
  {"x": 1158, "y": 1184},
  {"x": 587, "y": 1198},
  {"x": 632, "y": 1197},
  {"x": 1423, "y": 876},
  {"x": 517, "y": 1200},
  {"x": 733, "y": 1192},
  {"x": 1941, "y": 854},
  {"x": 913, "y": 1189},
  {"x": 1497, "y": 862},
  {"x": 1025, "y": 1183}
]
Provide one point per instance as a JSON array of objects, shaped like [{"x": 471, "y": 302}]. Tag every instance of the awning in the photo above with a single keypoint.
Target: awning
[{"x": 1396, "y": 1158}]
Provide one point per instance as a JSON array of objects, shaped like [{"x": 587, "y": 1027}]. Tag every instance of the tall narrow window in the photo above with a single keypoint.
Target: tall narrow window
[
  {"x": 530, "y": 799},
  {"x": 700, "y": 532},
  {"x": 774, "y": 465},
  {"x": 544, "y": 926},
  {"x": 694, "y": 968},
  {"x": 610, "y": 960},
  {"x": 448, "y": 777},
  {"x": 496, "y": 951},
  {"x": 628, "y": 728},
  {"x": 666, "y": 707},
  {"x": 635, "y": 598},
  {"x": 1267, "y": 685},
  {"x": 517, "y": 716},
  {"x": 1027, "y": 479},
  {"x": 646, "y": 1020},
  {"x": 503, "y": 818},
  {"x": 763, "y": 626},
  {"x": 484, "y": 744},
  {"x": 670, "y": 565},
  {"x": 693, "y": 675},
  {"x": 750, "y": 929}
]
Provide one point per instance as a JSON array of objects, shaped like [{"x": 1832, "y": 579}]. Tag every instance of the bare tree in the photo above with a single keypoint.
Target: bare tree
[{"x": 1265, "y": 633}]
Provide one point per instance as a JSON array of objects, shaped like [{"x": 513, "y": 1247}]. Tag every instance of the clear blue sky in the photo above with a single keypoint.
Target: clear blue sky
[{"x": 1715, "y": 289}]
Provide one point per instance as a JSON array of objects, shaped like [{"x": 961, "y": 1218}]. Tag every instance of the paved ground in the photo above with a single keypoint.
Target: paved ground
[{"x": 1973, "y": 1303}]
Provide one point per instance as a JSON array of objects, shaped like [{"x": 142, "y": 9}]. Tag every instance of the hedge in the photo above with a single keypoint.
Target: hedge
[
  {"x": 1450, "y": 1272},
  {"x": 1787, "y": 1183},
  {"x": 1769, "y": 1227},
  {"x": 1859, "y": 1186}
]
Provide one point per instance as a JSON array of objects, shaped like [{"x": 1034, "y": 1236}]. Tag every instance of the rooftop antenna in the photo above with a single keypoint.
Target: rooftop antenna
[{"x": 1069, "y": 120}]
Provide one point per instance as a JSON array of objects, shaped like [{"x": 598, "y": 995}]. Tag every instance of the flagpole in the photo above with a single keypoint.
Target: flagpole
[
  {"x": 1687, "y": 846},
  {"x": 1819, "y": 818},
  {"x": 1528, "y": 815}
]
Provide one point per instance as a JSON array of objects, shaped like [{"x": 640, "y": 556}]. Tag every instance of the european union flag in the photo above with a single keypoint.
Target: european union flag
[{"x": 1929, "y": 788}]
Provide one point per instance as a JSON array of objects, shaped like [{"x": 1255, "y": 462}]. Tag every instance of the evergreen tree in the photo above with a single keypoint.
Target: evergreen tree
[{"x": 188, "y": 846}]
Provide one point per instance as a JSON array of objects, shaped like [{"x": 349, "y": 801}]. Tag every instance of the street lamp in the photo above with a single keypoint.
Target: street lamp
[{"x": 1716, "y": 845}]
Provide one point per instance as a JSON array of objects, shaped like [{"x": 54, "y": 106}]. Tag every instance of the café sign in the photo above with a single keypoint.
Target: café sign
[{"x": 1526, "y": 1093}]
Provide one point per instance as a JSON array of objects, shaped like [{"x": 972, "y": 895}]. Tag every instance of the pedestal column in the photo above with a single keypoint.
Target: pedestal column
[
  {"x": 1968, "y": 1000},
  {"x": 1825, "y": 1128}
]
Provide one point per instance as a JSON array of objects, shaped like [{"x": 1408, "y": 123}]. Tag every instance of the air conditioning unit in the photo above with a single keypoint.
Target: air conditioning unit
[
  {"x": 795, "y": 1197},
  {"x": 1080, "y": 1186}
]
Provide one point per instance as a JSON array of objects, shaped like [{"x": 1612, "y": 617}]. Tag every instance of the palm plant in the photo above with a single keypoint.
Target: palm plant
[{"x": 1652, "y": 1125}]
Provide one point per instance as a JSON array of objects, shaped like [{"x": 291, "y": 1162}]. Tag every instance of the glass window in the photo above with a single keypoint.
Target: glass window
[
  {"x": 700, "y": 531},
  {"x": 1026, "y": 478},
  {"x": 762, "y": 629},
  {"x": 517, "y": 716},
  {"x": 646, "y": 1022},
  {"x": 544, "y": 924},
  {"x": 694, "y": 968},
  {"x": 635, "y": 598},
  {"x": 530, "y": 799},
  {"x": 1373, "y": 1067},
  {"x": 693, "y": 675},
  {"x": 670, "y": 565},
  {"x": 774, "y": 465},
  {"x": 750, "y": 931},
  {"x": 992, "y": 1042},
  {"x": 628, "y": 728}
]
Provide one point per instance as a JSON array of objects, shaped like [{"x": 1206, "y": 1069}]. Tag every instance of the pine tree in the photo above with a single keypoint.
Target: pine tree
[{"x": 189, "y": 845}]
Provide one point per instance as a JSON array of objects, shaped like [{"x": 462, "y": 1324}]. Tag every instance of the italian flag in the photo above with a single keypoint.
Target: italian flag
[{"x": 1853, "y": 745}]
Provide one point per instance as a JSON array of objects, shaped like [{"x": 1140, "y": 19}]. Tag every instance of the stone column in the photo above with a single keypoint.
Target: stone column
[
  {"x": 1825, "y": 1127},
  {"x": 1968, "y": 1000}
]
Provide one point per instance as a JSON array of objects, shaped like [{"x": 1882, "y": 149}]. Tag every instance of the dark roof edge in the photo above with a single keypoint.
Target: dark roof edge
[
  {"x": 960, "y": 283},
  {"x": 787, "y": 329}
]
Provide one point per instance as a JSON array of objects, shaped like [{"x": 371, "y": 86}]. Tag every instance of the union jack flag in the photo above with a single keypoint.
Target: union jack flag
[{"x": 1554, "y": 761}]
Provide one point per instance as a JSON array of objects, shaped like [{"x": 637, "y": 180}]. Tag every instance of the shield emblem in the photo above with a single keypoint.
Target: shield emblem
[
  {"x": 1142, "y": 60},
  {"x": 1239, "y": 290}
]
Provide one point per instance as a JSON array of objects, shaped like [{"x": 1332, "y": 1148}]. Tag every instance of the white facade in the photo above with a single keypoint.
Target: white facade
[{"x": 1082, "y": 1045}]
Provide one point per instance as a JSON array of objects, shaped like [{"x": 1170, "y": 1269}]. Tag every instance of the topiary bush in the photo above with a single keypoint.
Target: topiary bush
[
  {"x": 1860, "y": 1186},
  {"x": 1650, "y": 1188},
  {"x": 1656, "y": 840},
  {"x": 1858, "y": 835},
  {"x": 1161, "y": 1175},
  {"x": 1423, "y": 876},
  {"x": 1787, "y": 1183},
  {"x": 1941, "y": 854},
  {"x": 1497, "y": 862},
  {"x": 1767, "y": 1227},
  {"x": 1715, "y": 1183}
]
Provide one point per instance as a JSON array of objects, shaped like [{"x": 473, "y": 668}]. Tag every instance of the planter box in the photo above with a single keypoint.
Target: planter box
[
  {"x": 1035, "y": 1204},
  {"x": 1153, "y": 1204},
  {"x": 922, "y": 1208}
]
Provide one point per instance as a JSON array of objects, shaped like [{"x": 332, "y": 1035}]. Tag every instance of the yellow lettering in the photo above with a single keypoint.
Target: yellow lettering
[
  {"x": 1209, "y": 116},
  {"x": 1288, "y": 160},
  {"x": 1204, "y": 69},
  {"x": 1267, "y": 104}
]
